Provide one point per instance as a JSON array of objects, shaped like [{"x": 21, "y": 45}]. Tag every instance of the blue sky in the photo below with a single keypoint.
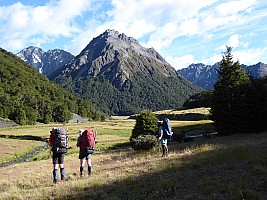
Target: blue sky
[{"x": 182, "y": 31}]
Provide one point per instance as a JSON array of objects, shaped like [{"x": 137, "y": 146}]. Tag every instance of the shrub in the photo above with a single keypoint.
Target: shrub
[
  {"x": 145, "y": 124},
  {"x": 144, "y": 142}
]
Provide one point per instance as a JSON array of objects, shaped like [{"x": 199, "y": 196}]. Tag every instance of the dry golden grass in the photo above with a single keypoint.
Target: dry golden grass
[
  {"x": 11, "y": 149},
  {"x": 201, "y": 110},
  {"x": 229, "y": 167},
  {"x": 191, "y": 171}
]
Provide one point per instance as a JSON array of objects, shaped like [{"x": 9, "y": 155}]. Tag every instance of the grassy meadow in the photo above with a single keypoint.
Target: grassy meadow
[{"x": 220, "y": 167}]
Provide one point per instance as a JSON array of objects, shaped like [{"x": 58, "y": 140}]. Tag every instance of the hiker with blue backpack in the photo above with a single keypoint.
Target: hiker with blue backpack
[
  {"x": 165, "y": 134},
  {"x": 59, "y": 142},
  {"x": 86, "y": 142}
]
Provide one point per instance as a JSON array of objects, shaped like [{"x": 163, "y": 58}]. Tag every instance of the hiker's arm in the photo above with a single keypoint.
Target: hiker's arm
[{"x": 160, "y": 133}]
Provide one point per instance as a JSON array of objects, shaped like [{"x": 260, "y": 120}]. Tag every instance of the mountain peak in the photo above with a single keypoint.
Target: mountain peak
[
  {"x": 111, "y": 33},
  {"x": 123, "y": 77},
  {"x": 45, "y": 62},
  {"x": 118, "y": 57}
]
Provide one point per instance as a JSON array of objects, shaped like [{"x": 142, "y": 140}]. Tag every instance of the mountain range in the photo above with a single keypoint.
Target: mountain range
[
  {"x": 206, "y": 75},
  {"x": 45, "y": 62},
  {"x": 122, "y": 77}
]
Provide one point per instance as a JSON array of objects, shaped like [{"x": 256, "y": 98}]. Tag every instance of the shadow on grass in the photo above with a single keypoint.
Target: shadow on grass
[
  {"x": 179, "y": 132},
  {"x": 234, "y": 172},
  {"x": 124, "y": 145}
]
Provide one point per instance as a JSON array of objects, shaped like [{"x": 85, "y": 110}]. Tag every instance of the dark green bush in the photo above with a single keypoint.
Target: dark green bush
[
  {"x": 144, "y": 142},
  {"x": 145, "y": 124}
]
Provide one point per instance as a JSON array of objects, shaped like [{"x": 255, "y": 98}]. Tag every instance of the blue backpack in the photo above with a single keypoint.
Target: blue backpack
[{"x": 167, "y": 131}]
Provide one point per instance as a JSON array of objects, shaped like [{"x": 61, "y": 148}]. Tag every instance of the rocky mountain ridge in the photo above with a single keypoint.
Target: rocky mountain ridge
[
  {"x": 45, "y": 62},
  {"x": 206, "y": 75},
  {"x": 113, "y": 55}
]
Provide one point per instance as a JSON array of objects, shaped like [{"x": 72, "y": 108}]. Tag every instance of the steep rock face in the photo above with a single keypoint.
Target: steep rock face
[
  {"x": 33, "y": 56},
  {"x": 258, "y": 70},
  {"x": 206, "y": 75},
  {"x": 117, "y": 57},
  {"x": 122, "y": 77},
  {"x": 45, "y": 62},
  {"x": 201, "y": 75}
]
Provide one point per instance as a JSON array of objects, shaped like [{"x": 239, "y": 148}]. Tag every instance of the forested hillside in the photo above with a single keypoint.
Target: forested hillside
[{"x": 26, "y": 96}]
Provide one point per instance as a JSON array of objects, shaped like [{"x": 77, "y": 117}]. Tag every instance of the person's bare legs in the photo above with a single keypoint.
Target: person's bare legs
[{"x": 89, "y": 163}]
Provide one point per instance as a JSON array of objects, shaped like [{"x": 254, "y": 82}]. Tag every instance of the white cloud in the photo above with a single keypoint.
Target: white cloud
[
  {"x": 20, "y": 23},
  {"x": 248, "y": 57},
  {"x": 226, "y": 9},
  {"x": 212, "y": 60},
  {"x": 165, "y": 21},
  {"x": 180, "y": 62},
  {"x": 160, "y": 19},
  {"x": 233, "y": 41}
]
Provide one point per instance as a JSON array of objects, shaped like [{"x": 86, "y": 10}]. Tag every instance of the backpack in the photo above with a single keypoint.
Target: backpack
[
  {"x": 88, "y": 141},
  {"x": 61, "y": 140},
  {"x": 167, "y": 131}
]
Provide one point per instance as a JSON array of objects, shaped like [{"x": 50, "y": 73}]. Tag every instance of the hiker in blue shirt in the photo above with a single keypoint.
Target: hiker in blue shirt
[
  {"x": 165, "y": 134},
  {"x": 162, "y": 139}
]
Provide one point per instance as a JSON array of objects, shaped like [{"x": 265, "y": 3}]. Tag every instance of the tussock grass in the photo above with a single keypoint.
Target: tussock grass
[
  {"x": 201, "y": 110},
  {"x": 11, "y": 149},
  {"x": 229, "y": 167}
]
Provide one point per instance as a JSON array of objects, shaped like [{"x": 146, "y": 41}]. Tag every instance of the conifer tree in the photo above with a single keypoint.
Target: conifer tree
[{"x": 229, "y": 98}]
